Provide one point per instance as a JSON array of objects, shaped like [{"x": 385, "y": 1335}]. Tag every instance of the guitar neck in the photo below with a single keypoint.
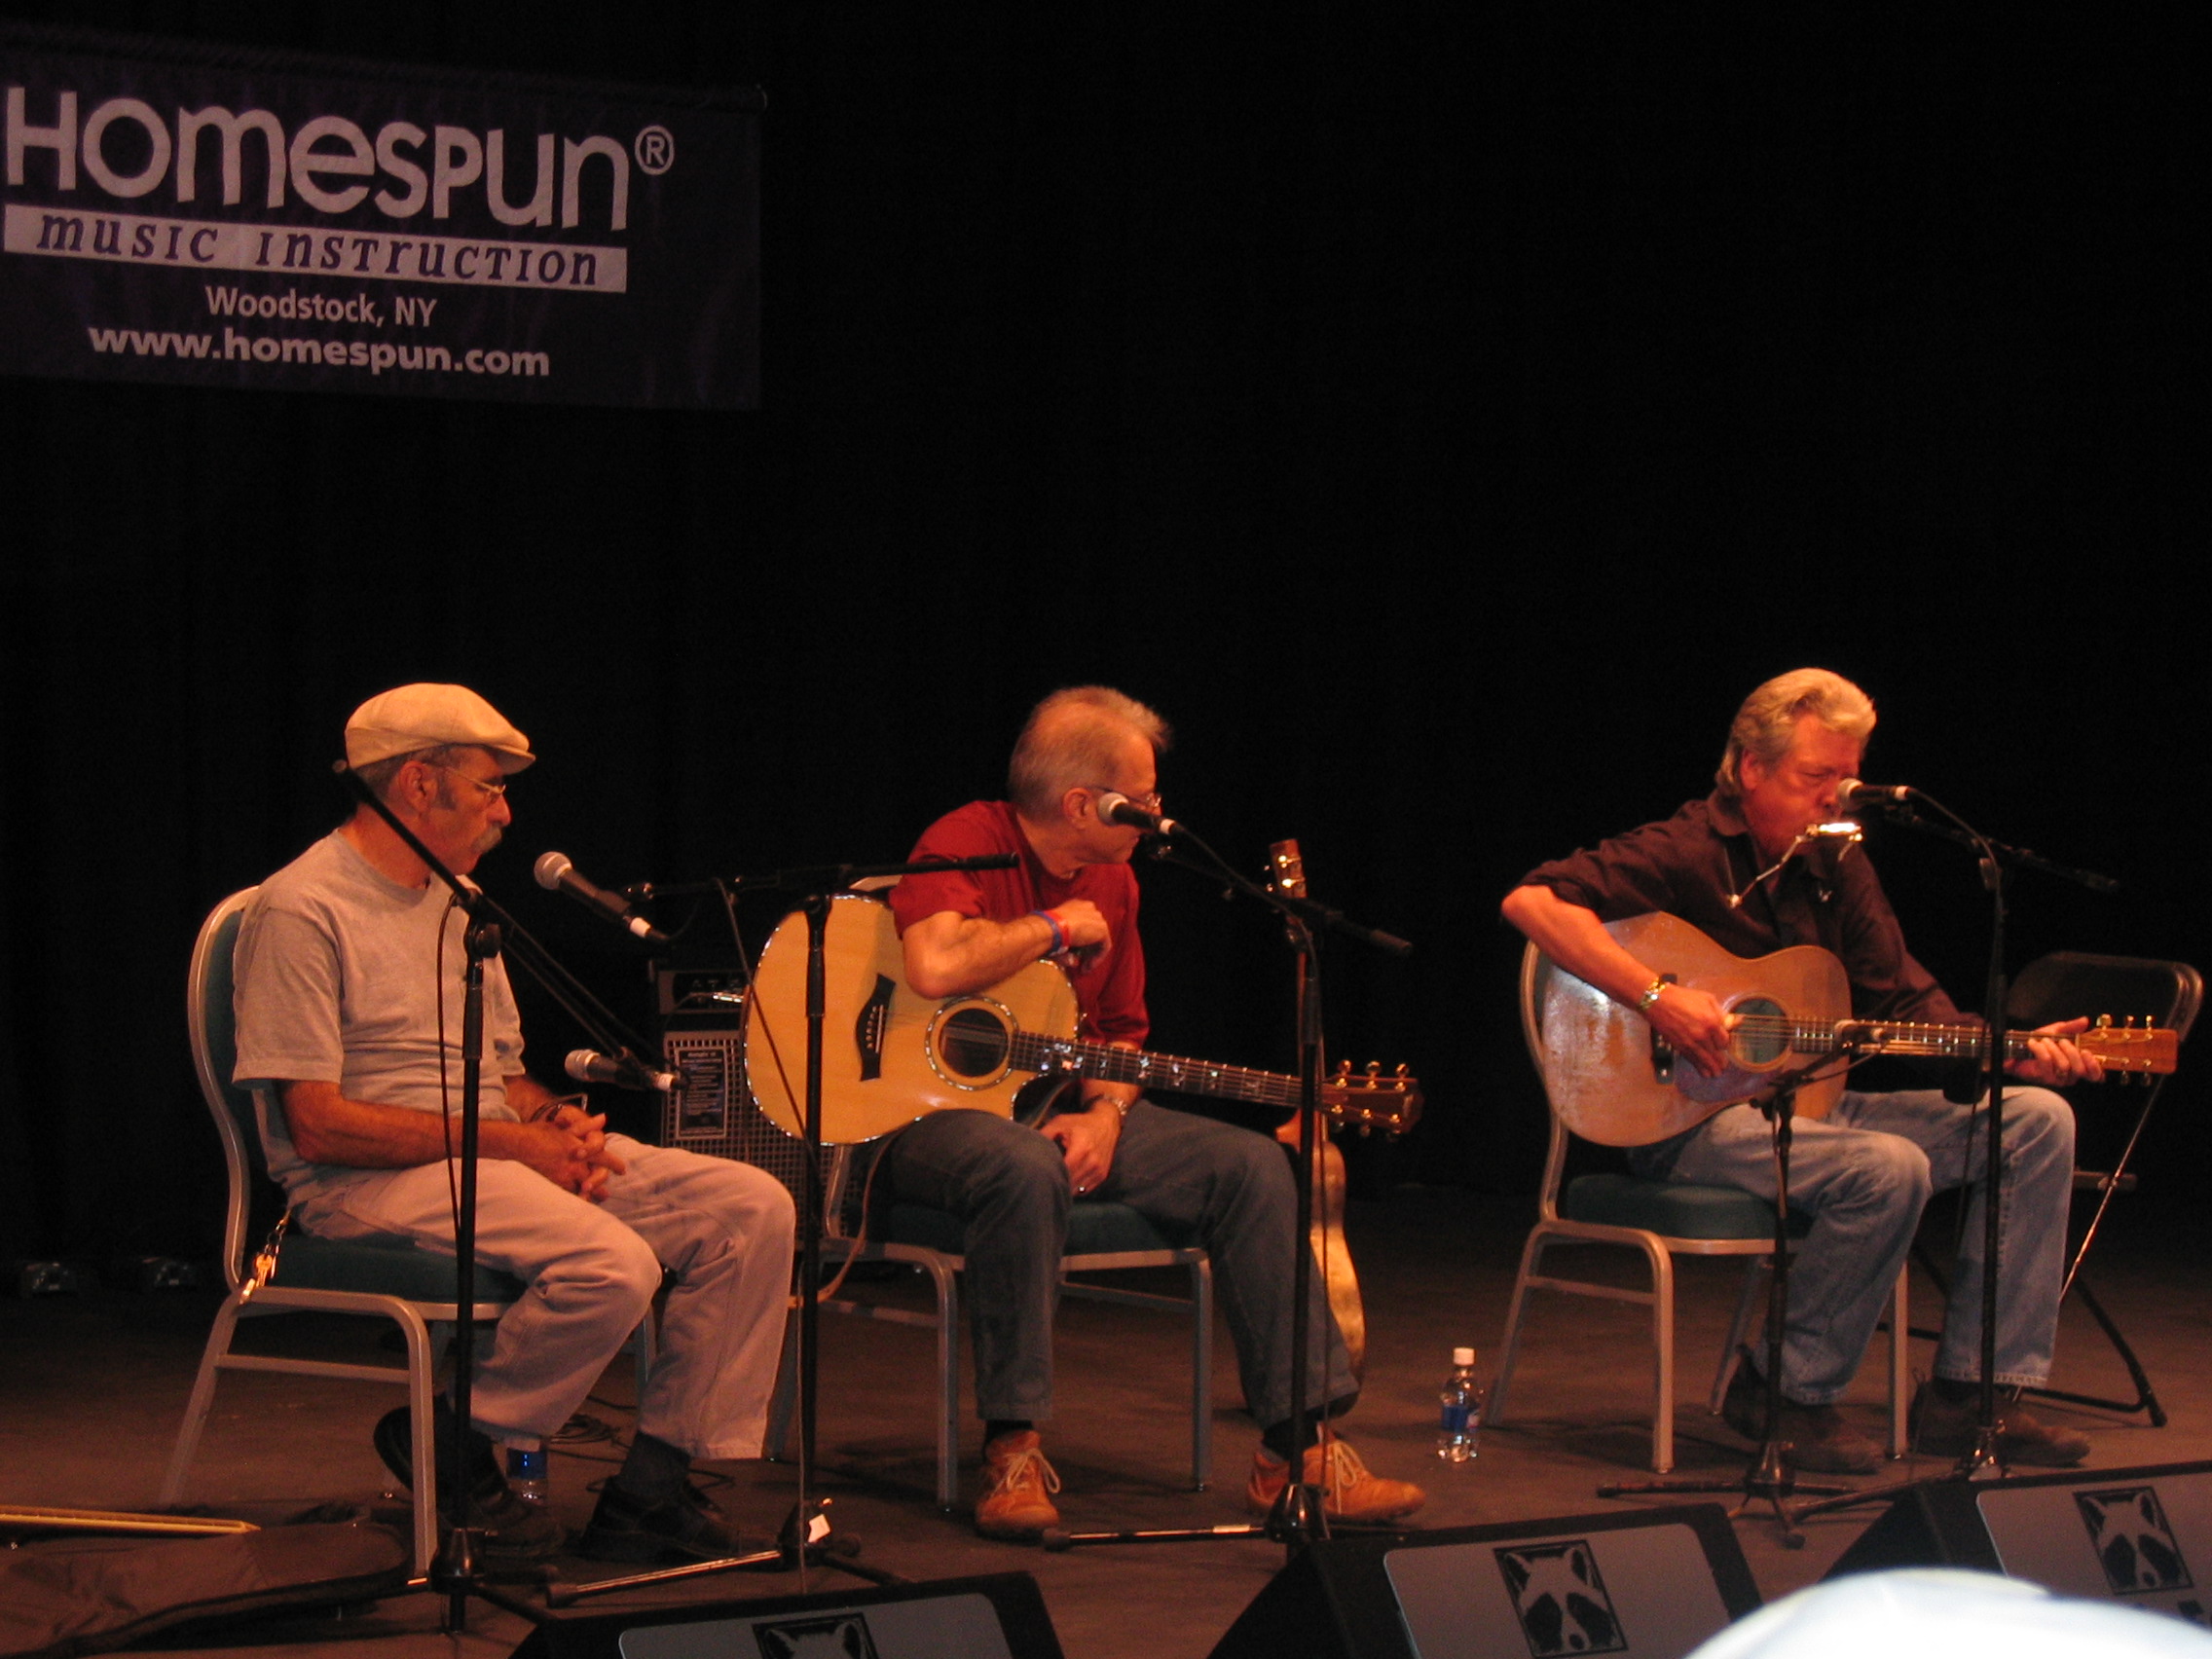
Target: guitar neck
[
  {"x": 1109, "y": 1064},
  {"x": 1883, "y": 1037},
  {"x": 1920, "y": 1040}
]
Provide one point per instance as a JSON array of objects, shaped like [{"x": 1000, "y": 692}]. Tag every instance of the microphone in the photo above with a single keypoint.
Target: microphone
[
  {"x": 1117, "y": 808},
  {"x": 556, "y": 873},
  {"x": 1852, "y": 796},
  {"x": 588, "y": 1065}
]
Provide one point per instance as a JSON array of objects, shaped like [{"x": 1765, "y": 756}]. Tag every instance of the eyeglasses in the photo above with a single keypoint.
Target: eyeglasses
[
  {"x": 495, "y": 790},
  {"x": 1149, "y": 801}
]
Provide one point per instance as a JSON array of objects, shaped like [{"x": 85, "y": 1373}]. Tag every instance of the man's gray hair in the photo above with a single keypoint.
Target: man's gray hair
[
  {"x": 1074, "y": 738},
  {"x": 380, "y": 774},
  {"x": 1768, "y": 720}
]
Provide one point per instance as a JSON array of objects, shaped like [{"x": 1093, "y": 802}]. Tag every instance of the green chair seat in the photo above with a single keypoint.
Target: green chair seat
[
  {"x": 1675, "y": 1209},
  {"x": 393, "y": 1268},
  {"x": 1093, "y": 1230}
]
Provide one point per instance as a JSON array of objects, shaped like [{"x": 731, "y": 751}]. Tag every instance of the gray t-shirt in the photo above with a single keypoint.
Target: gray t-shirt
[{"x": 339, "y": 976}]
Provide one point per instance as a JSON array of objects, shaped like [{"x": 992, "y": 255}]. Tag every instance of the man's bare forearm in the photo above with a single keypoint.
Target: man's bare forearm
[
  {"x": 1573, "y": 936},
  {"x": 961, "y": 954},
  {"x": 328, "y": 1128}
]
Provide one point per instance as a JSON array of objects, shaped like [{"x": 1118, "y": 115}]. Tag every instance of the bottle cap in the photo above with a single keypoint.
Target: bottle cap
[{"x": 1462, "y": 1357}]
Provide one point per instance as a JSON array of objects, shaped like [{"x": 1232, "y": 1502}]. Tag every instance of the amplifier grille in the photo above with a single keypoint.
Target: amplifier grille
[{"x": 711, "y": 1111}]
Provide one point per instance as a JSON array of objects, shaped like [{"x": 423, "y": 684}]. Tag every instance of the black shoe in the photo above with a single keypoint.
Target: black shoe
[
  {"x": 687, "y": 1528},
  {"x": 1814, "y": 1438},
  {"x": 511, "y": 1527},
  {"x": 1948, "y": 1428}
]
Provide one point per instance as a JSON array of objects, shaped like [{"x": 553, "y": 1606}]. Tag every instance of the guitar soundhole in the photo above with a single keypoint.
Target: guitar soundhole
[
  {"x": 972, "y": 1042},
  {"x": 1761, "y": 1037}
]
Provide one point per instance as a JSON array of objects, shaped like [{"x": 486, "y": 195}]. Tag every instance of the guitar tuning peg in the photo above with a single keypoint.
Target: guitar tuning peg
[
  {"x": 2104, "y": 1022},
  {"x": 1374, "y": 1068}
]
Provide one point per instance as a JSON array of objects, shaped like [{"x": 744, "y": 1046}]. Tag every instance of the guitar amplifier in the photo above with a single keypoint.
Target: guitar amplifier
[{"x": 711, "y": 1111}]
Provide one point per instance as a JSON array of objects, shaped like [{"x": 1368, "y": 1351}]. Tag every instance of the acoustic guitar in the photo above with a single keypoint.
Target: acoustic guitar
[
  {"x": 890, "y": 1056},
  {"x": 1613, "y": 1079}
]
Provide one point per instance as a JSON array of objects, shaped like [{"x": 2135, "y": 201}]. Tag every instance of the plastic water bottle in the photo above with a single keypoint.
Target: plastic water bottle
[
  {"x": 526, "y": 1472},
  {"x": 1462, "y": 1417}
]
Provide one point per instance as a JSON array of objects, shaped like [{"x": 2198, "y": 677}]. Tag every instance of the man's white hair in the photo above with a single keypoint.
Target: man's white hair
[
  {"x": 1073, "y": 738},
  {"x": 1768, "y": 720}
]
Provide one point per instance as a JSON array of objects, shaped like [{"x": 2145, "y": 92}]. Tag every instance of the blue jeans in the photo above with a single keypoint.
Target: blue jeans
[
  {"x": 1228, "y": 1187},
  {"x": 1863, "y": 1174}
]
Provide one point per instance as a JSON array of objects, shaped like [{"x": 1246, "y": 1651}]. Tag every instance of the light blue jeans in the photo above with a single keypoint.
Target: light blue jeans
[{"x": 1863, "y": 1174}]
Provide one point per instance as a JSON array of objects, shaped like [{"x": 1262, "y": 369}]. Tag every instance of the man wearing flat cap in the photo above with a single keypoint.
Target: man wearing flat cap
[{"x": 348, "y": 968}]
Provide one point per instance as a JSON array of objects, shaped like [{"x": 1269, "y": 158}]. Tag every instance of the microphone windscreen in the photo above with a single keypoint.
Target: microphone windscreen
[{"x": 550, "y": 868}]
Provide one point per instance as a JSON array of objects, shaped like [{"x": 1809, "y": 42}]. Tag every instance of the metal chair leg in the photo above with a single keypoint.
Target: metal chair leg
[
  {"x": 1201, "y": 1374},
  {"x": 202, "y": 1400},
  {"x": 1531, "y": 1258},
  {"x": 1663, "y": 1339}
]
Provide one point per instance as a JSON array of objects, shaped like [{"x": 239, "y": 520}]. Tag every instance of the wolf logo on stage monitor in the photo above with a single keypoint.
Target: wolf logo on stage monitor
[
  {"x": 1562, "y": 1600},
  {"x": 2129, "y": 1531},
  {"x": 839, "y": 1636}
]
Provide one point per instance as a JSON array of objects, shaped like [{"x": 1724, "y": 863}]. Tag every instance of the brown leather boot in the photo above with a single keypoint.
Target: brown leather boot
[
  {"x": 1814, "y": 1438},
  {"x": 1947, "y": 1428}
]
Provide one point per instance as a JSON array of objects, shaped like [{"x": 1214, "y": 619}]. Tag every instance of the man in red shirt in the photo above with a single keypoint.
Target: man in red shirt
[{"x": 1072, "y": 898}]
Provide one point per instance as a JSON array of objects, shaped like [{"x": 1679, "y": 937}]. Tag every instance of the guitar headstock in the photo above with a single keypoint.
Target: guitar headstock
[
  {"x": 1371, "y": 1099},
  {"x": 1286, "y": 869},
  {"x": 2130, "y": 1050}
]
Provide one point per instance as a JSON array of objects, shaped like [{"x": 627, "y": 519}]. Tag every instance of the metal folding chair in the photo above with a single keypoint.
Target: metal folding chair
[{"x": 1661, "y": 1219}]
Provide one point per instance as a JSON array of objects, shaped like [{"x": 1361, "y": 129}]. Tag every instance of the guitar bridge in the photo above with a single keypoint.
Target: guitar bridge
[{"x": 869, "y": 1025}]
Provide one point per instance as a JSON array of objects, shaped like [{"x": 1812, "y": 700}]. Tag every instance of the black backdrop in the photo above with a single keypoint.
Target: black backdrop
[{"x": 1443, "y": 415}]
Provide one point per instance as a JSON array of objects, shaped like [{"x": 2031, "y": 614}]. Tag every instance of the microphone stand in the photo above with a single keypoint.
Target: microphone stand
[
  {"x": 1993, "y": 858},
  {"x": 818, "y": 885},
  {"x": 1298, "y": 1517},
  {"x": 1768, "y": 1475},
  {"x": 454, "y": 1574}
]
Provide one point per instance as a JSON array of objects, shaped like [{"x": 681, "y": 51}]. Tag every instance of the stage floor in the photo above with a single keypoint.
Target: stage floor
[{"x": 91, "y": 1388}]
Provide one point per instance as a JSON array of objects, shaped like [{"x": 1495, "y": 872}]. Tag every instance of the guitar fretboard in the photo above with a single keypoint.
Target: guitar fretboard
[
  {"x": 1109, "y": 1064},
  {"x": 1874, "y": 1036}
]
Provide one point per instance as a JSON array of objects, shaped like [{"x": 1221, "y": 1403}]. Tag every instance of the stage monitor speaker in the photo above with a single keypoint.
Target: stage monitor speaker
[
  {"x": 1000, "y": 1615},
  {"x": 2139, "y": 1536},
  {"x": 1651, "y": 1584}
]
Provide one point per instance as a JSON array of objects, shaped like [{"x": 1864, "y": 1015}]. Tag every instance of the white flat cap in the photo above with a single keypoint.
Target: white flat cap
[{"x": 409, "y": 718}]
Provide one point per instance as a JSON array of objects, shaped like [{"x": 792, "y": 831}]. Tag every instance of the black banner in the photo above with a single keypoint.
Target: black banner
[{"x": 209, "y": 216}]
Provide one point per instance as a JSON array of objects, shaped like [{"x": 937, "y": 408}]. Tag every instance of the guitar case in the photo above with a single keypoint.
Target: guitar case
[{"x": 72, "y": 1594}]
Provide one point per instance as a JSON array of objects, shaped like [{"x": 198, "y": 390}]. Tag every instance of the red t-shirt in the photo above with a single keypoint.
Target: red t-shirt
[{"x": 1109, "y": 983}]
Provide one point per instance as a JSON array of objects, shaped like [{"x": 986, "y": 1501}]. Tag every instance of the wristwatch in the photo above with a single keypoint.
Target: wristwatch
[{"x": 1651, "y": 994}]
